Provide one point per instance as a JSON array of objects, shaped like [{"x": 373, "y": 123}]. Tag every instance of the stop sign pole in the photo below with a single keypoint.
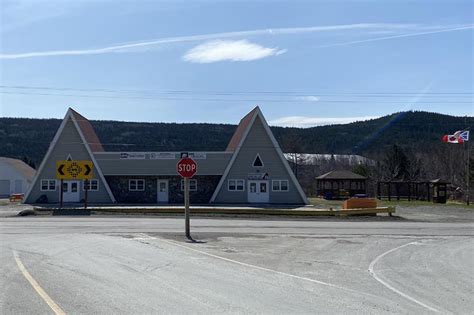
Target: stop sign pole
[{"x": 186, "y": 167}]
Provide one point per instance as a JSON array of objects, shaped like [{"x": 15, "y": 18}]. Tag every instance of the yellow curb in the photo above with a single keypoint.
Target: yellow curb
[{"x": 246, "y": 211}]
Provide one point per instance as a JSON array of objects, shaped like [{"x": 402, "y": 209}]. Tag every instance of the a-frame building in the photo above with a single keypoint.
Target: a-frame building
[
  {"x": 257, "y": 171},
  {"x": 77, "y": 140},
  {"x": 252, "y": 170}
]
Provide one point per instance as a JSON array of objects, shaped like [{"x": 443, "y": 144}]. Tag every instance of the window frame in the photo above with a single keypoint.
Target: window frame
[
  {"x": 130, "y": 181},
  {"x": 190, "y": 185},
  {"x": 49, "y": 181},
  {"x": 236, "y": 185},
  {"x": 90, "y": 185},
  {"x": 280, "y": 181}
]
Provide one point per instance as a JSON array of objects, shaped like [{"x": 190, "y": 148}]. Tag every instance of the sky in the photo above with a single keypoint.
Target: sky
[{"x": 305, "y": 63}]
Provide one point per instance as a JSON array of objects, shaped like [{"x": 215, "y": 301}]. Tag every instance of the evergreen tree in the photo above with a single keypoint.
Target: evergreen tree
[{"x": 362, "y": 169}]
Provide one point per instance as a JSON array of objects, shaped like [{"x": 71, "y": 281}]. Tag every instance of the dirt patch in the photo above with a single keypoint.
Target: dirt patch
[{"x": 437, "y": 213}]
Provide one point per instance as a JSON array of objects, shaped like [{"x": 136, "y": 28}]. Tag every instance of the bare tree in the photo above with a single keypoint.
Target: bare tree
[{"x": 293, "y": 145}]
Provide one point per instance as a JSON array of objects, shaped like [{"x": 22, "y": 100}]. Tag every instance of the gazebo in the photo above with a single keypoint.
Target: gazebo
[{"x": 340, "y": 185}]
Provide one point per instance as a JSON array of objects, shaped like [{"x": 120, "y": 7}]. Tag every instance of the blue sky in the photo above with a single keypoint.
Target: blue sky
[{"x": 304, "y": 62}]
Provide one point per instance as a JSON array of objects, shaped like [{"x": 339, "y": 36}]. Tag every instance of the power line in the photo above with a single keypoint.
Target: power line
[
  {"x": 230, "y": 93},
  {"x": 193, "y": 99}
]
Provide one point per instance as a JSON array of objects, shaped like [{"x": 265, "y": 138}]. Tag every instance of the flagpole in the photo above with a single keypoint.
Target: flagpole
[{"x": 463, "y": 137}]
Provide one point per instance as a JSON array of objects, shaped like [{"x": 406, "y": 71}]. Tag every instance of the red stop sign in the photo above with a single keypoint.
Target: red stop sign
[{"x": 186, "y": 167}]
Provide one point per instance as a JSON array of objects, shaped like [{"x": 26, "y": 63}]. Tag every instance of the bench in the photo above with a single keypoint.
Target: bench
[{"x": 16, "y": 197}]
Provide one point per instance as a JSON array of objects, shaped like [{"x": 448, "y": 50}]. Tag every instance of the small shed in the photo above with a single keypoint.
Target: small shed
[
  {"x": 340, "y": 185},
  {"x": 15, "y": 176},
  {"x": 440, "y": 190}
]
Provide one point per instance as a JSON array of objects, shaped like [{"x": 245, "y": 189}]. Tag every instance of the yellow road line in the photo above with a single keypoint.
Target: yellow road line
[{"x": 55, "y": 307}]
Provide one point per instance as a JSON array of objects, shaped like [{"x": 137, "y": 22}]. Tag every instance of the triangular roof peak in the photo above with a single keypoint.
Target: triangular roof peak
[
  {"x": 89, "y": 139},
  {"x": 87, "y": 130},
  {"x": 237, "y": 141},
  {"x": 243, "y": 126}
]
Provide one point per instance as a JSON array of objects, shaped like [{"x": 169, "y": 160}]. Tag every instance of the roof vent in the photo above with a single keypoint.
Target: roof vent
[{"x": 257, "y": 162}]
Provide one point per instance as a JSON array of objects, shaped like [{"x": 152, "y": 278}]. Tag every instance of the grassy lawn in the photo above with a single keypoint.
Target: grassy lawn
[
  {"x": 337, "y": 204},
  {"x": 406, "y": 203}
]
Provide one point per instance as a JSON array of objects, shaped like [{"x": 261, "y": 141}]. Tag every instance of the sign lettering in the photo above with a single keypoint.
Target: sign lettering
[{"x": 186, "y": 167}]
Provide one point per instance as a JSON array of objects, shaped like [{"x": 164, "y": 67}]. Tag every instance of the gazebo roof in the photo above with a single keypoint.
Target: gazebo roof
[{"x": 341, "y": 175}]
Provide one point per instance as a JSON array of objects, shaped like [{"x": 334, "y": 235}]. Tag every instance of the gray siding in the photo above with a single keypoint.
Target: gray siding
[
  {"x": 111, "y": 164},
  {"x": 258, "y": 142},
  {"x": 69, "y": 142}
]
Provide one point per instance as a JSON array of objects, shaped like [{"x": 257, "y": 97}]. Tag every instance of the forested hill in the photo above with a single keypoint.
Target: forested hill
[{"x": 417, "y": 131}]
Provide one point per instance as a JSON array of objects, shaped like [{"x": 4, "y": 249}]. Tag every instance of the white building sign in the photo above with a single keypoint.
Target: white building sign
[
  {"x": 162, "y": 156},
  {"x": 198, "y": 155},
  {"x": 132, "y": 156}
]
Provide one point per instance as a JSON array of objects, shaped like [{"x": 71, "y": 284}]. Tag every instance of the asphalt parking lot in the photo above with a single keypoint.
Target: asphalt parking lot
[{"x": 415, "y": 263}]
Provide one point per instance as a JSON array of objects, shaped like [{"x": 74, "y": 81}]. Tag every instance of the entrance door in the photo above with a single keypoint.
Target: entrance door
[
  {"x": 162, "y": 191},
  {"x": 71, "y": 192},
  {"x": 258, "y": 191}
]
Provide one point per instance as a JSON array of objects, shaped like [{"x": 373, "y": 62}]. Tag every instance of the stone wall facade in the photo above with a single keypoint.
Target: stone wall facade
[{"x": 206, "y": 185}]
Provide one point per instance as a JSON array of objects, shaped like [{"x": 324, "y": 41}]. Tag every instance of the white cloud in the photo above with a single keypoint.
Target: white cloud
[
  {"x": 229, "y": 50},
  {"x": 303, "y": 122},
  {"x": 308, "y": 98},
  {"x": 132, "y": 47}
]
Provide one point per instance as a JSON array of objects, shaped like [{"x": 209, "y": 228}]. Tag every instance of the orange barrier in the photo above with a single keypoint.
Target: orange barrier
[{"x": 360, "y": 203}]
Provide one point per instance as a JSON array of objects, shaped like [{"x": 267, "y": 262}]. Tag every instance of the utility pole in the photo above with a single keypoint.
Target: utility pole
[
  {"x": 86, "y": 186},
  {"x": 468, "y": 162},
  {"x": 468, "y": 171},
  {"x": 186, "y": 208},
  {"x": 61, "y": 194},
  {"x": 186, "y": 167}
]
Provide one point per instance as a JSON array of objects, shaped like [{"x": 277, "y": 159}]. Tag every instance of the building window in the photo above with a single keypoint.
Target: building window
[
  {"x": 258, "y": 161},
  {"x": 193, "y": 185},
  {"x": 136, "y": 184},
  {"x": 91, "y": 185},
  {"x": 48, "y": 185},
  {"x": 280, "y": 185},
  {"x": 236, "y": 185}
]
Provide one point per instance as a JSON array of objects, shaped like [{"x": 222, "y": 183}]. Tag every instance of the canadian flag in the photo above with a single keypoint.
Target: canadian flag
[{"x": 457, "y": 137}]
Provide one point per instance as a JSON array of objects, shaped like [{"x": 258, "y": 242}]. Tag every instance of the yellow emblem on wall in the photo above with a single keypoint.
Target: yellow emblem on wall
[{"x": 74, "y": 169}]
